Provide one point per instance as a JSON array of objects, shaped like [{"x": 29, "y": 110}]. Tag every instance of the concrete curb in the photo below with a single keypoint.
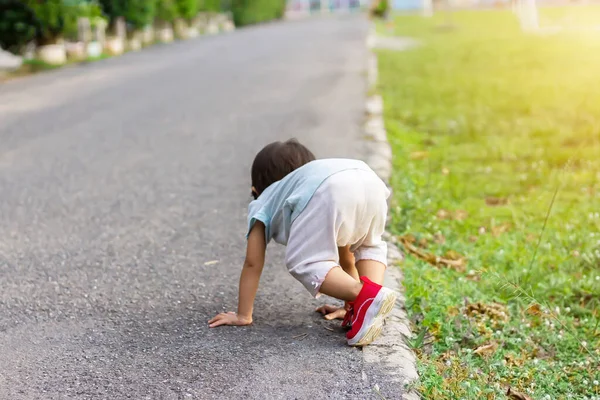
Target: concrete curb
[{"x": 390, "y": 350}]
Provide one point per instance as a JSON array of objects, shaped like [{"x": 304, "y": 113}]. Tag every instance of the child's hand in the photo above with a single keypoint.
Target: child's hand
[
  {"x": 229, "y": 318},
  {"x": 333, "y": 312}
]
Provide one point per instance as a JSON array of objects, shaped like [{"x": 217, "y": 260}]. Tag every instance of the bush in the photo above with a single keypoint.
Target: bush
[
  {"x": 18, "y": 25},
  {"x": 137, "y": 13},
  {"x": 212, "y": 5},
  {"x": 166, "y": 10},
  {"x": 380, "y": 9},
  {"x": 77, "y": 9},
  {"x": 140, "y": 13},
  {"x": 51, "y": 16},
  {"x": 246, "y": 12},
  {"x": 114, "y": 9},
  {"x": 187, "y": 9}
]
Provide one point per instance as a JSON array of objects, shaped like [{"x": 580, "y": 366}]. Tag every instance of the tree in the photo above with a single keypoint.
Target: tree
[
  {"x": 211, "y": 5},
  {"x": 140, "y": 13},
  {"x": 166, "y": 10},
  {"x": 187, "y": 9},
  {"x": 51, "y": 16},
  {"x": 76, "y": 9},
  {"x": 18, "y": 25},
  {"x": 247, "y": 12},
  {"x": 380, "y": 8},
  {"x": 137, "y": 13}
]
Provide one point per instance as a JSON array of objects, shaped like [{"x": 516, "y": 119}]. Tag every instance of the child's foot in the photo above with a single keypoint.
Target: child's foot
[{"x": 371, "y": 307}]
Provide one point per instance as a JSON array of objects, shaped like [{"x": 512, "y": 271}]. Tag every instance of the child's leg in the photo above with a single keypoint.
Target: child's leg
[
  {"x": 347, "y": 262},
  {"x": 340, "y": 285},
  {"x": 374, "y": 270}
]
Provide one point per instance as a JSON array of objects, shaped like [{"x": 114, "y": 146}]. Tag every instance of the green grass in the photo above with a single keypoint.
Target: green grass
[
  {"x": 487, "y": 124},
  {"x": 35, "y": 66}
]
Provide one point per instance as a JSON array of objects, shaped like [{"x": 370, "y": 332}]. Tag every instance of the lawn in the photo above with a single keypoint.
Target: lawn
[{"x": 496, "y": 140}]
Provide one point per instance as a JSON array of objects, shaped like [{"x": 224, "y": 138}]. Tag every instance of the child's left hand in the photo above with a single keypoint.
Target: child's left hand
[
  {"x": 229, "y": 318},
  {"x": 333, "y": 312}
]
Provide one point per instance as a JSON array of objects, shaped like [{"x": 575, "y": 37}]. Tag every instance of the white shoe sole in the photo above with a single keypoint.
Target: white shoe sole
[{"x": 382, "y": 306}]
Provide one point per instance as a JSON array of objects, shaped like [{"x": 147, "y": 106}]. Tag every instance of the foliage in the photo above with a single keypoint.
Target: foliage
[
  {"x": 137, "y": 13},
  {"x": 51, "y": 16},
  {"x": 212, "y": 5},
  {"x": 166, "y": 10},
  {"x": 486, "y": 124},
  {"x": 140, "y": 13},
  {"x": 187, "y": 9},
  {"x": 246, "y": 12},
  {"x": 381, "y": 8},
  {"x": 76, "y": 9},
  {"x": 18, "y": 25}
]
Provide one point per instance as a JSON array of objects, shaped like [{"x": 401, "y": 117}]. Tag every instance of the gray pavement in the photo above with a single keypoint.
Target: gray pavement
[{"x": 123, "y": 193}]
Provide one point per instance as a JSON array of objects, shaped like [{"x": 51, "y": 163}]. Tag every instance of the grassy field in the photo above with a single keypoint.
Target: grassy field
[{"x": 496, "y": 139}]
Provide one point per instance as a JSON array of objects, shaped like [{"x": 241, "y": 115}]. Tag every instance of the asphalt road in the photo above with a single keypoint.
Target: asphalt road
[{"x": 124, "y": 186}]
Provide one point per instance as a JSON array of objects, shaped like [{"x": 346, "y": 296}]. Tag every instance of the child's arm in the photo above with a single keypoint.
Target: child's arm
[{"x": 253, "y": 266}]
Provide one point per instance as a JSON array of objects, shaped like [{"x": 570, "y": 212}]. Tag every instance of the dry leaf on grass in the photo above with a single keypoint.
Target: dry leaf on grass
[
  {"x": 419, "y": 155},
  {"x": 500, "y": 229},
  {"x": 495, "y": 311},
  {"x": 473, "y": 276},
  {"x": 458, "y": 215},
  {"x": 487, "y": 349},
  {"x": 453, "y": 255},
  {"x": 513, "y": 361},
  {"x": 496, "y": 201},
  {"x": 439, "y": 238},
  {"x": 451, "y": 260},
  {"x": 534, "y": 309},
  {"x": 443, "y": 214},
  {"x": 452, "y": 311},
  {"x": 514, "y": 395},
  {"x": 408, "y": 238}
]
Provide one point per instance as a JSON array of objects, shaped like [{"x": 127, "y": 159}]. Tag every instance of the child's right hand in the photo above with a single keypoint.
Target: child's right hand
[{"x": 229, "y": 318}]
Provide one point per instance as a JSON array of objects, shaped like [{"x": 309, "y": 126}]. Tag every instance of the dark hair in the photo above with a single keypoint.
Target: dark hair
[{"x": 275, "y": 161}]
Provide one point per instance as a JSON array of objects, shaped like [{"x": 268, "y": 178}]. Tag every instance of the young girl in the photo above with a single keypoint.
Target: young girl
[{"x": 330, "y": 214}]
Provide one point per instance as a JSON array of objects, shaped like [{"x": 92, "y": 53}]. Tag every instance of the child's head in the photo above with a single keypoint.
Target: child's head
[{"x": 275, "y": 161}]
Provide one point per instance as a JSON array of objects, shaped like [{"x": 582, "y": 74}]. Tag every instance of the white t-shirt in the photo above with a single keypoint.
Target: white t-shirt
[{"x": 279, "y": 204}]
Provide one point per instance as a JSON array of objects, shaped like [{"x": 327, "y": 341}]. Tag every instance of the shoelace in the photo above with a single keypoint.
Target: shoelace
[{"x": 348, "y": 317}]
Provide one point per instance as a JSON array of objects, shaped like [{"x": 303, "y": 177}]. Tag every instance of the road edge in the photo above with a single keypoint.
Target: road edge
[{"x": 391, "y": 350}]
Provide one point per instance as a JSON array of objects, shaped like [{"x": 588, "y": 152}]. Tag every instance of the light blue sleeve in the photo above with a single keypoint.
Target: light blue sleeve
[{"x": 257, "y": 212}]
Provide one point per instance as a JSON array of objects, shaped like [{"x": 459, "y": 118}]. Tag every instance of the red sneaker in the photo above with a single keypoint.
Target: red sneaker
[
  {"x": 347, "y": 322},
  {"x": 372, "y": 305}
]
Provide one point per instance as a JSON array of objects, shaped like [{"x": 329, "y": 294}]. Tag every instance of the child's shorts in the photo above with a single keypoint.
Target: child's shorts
[{"x": 349, "y": 208}]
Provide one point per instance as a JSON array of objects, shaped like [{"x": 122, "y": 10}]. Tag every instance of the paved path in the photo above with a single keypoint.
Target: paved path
[{"x": 123, "y": 194}]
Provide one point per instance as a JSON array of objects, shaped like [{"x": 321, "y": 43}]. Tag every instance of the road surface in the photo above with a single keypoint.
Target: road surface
[{"x": 124, "y": 186}]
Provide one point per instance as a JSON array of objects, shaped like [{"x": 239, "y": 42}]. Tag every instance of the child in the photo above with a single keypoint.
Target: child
[{"x": 330, "y": 214}]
